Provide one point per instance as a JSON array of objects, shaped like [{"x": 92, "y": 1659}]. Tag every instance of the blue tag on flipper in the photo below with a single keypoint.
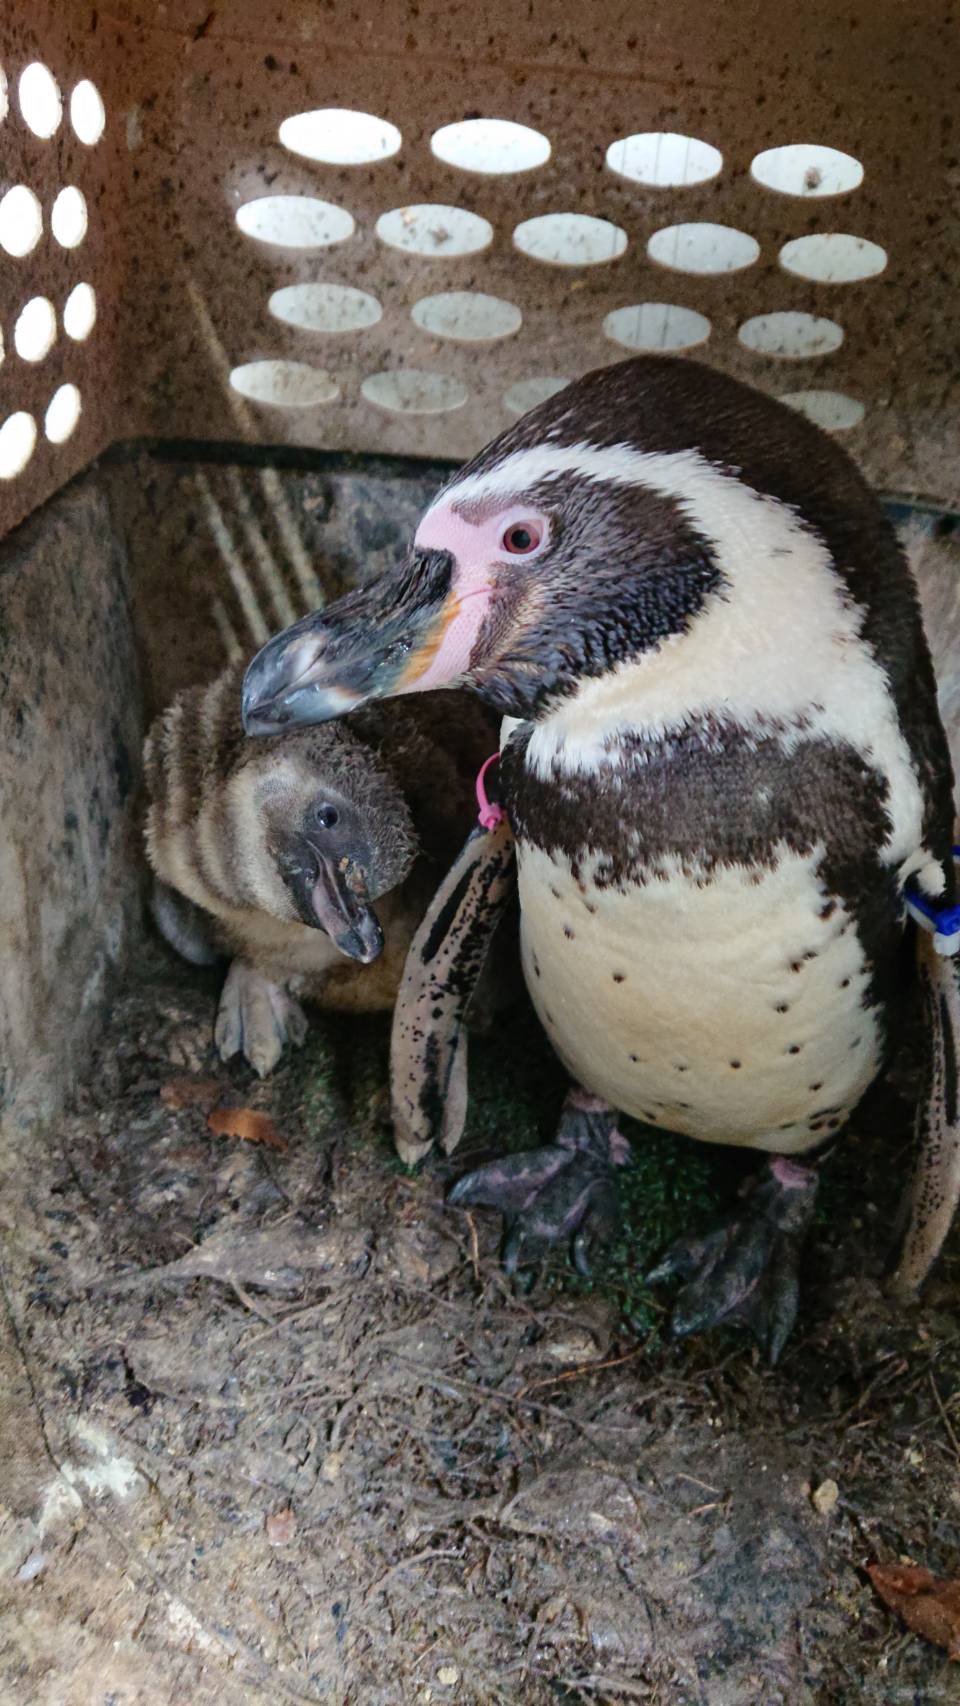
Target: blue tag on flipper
[{"x": 942, "y": 922}]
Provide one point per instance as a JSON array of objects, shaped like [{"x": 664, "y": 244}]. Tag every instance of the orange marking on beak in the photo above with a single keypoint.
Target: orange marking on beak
[{"x": 424, "y": 655}]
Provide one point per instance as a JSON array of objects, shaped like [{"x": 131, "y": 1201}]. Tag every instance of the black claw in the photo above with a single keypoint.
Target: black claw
[
  {"x": 581, "y": 1259},
  {"x": 512, "y": 1245}
]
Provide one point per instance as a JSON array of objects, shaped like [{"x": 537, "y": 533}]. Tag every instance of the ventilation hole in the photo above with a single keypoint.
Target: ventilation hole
[
  {"x": 703, "y": 248},
  {"x": 325, "y": 307},
  {"x": 807, "y": 169},
  {"x": 285, "y": 384},
  {"x": 791, "y": 336},
  {"x": 431, "y": 229},
  {"x": 35, "y": 332},
  {"x": 295, "y": 221},
  {"x": 87, "y": 113},
  {"x": 68, "y": 217},
  {"x": 664, "y": 160},
  {"x": 830, "y": 409},
  {"x": 833, "y": 257},
  {"x": 340, "y": 137},
  {"x": 18, "y": 435},
  {"x": 570, "y": 239},
  {"x": 40, "y": 101},
  {"x": 21, "y": 221},
  {"x": 412, "y": 392},
  {"x": 529, "y": 393},
  {"x": 490, "y": 145},
  {"x": 63, "y": 413},
  {"x": 656, "y": 326},
  {"x": 467, "y": 316},
  {"x": 80, "y": 312}
]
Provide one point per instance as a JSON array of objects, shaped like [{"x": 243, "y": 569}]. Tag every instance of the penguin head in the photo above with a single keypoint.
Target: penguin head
[
  {"x": 610, "y": 523},
  {"x": 318, "y": 831},
  {"x": 543, "y": 561}
]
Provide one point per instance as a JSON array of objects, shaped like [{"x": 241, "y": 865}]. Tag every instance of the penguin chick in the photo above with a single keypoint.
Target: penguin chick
[{"x": 273, "y": 854}]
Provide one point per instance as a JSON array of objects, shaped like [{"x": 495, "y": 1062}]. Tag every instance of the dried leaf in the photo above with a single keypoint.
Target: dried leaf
[
  {"x": 281, "y": 1527},
  {"x": 202, "y": 1093},
  {"x": 826, "y": 1497},
  {"x": 248, "y": 1124},
  {"x": 928, "y": 1604}
]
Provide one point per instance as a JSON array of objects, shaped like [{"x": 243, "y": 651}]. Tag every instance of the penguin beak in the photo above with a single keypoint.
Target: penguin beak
[
  {"x": 339, "y": 906},
  {"x": 373, "y": 642},
  {"x": 331, "y": 895}
]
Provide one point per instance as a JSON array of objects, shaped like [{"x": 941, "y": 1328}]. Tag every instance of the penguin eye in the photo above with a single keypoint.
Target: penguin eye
[
  {"x": 521, "y": 538},
  {"x": 326, "y": 816}
]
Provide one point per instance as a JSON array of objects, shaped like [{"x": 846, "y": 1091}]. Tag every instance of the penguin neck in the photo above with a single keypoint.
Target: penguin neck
[
  {"x": 779, "y": 651},
  {"x": 780, "y": 646}
]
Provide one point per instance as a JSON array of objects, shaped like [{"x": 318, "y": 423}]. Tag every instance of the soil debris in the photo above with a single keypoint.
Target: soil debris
[{"x": 277, "y": 1428}]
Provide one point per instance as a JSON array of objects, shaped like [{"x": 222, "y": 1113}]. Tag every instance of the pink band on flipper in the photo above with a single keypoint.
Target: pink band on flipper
[{"x": 490, "y": 815}]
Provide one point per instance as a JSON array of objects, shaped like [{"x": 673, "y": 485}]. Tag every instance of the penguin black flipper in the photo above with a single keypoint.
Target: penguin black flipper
[
  {"x": 428, "y": 1047},
  {"x": 936, "y": 1181},
  {"x": 184, "y": 925}
]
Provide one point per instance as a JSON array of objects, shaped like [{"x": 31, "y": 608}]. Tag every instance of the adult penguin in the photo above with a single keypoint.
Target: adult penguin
[{"x": 727, "y": 779}]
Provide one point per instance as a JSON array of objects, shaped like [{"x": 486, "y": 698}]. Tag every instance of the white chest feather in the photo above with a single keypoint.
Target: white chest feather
[{"x": 728, "y": 1008}]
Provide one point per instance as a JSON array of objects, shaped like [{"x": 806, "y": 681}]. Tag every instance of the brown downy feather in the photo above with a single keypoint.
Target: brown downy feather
[{"x": 409, "y": 769}]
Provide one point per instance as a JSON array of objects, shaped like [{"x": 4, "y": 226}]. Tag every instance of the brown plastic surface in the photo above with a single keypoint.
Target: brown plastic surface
[{"x": 195, "y": 94}]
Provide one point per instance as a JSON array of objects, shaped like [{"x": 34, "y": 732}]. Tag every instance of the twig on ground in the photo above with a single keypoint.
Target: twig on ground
[{"x": 948, "y": 1425}]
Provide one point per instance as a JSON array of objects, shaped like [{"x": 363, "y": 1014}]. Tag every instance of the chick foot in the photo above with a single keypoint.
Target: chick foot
[
  {"x": 566, "y": 1190},
  {"x": 745, "y": 1273},
  {"x": 256, "y": 1018}
]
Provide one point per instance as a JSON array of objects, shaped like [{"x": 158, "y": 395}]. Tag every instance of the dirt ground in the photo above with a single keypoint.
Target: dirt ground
[{"x": 278, "y": 1429}]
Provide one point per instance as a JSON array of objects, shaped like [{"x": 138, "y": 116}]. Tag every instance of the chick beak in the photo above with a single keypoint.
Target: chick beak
[
  {"x": 331, "y": 894},
  {"x": 339, "y": 904},
  {"x": 366, "y": 646}
]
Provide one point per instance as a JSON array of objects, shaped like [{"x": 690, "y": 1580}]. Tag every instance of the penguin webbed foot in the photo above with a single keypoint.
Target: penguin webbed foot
[
  {"x": 745, "y": 1272},
  {"x": 564, "y": 1191},
  {"x": 257, "y": 1018}
]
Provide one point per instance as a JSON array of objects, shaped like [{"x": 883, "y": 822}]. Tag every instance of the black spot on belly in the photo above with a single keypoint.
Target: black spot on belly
[
  {"x": 619, "y": 977},
  {"x": 794, "y": 1048},
  {"x": 589, "y": 906},
  {"x": 796, "y": 965},
  {"x": 845, "y": 984},
  {"x": 736, "y": 1065},
  {"x": 568, "y": 932},
  {"x": 828, "y": 910},
  {"x": 536, "y": 969},
  {"x": 814, "y": 1087},
  {"x": 783, "y": 1007},
  {"x": 679, "y": 1067},
  {"x": 555, "y": 892}
]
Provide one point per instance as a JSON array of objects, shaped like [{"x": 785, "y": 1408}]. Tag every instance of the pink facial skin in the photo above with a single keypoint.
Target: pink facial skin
[{"x": 481, "y": 561}]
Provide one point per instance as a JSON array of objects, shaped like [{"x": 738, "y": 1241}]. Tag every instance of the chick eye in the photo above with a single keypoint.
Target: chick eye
[
  {"x": 326, "y": 816},
  {"x": 521, "y": 537}
]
